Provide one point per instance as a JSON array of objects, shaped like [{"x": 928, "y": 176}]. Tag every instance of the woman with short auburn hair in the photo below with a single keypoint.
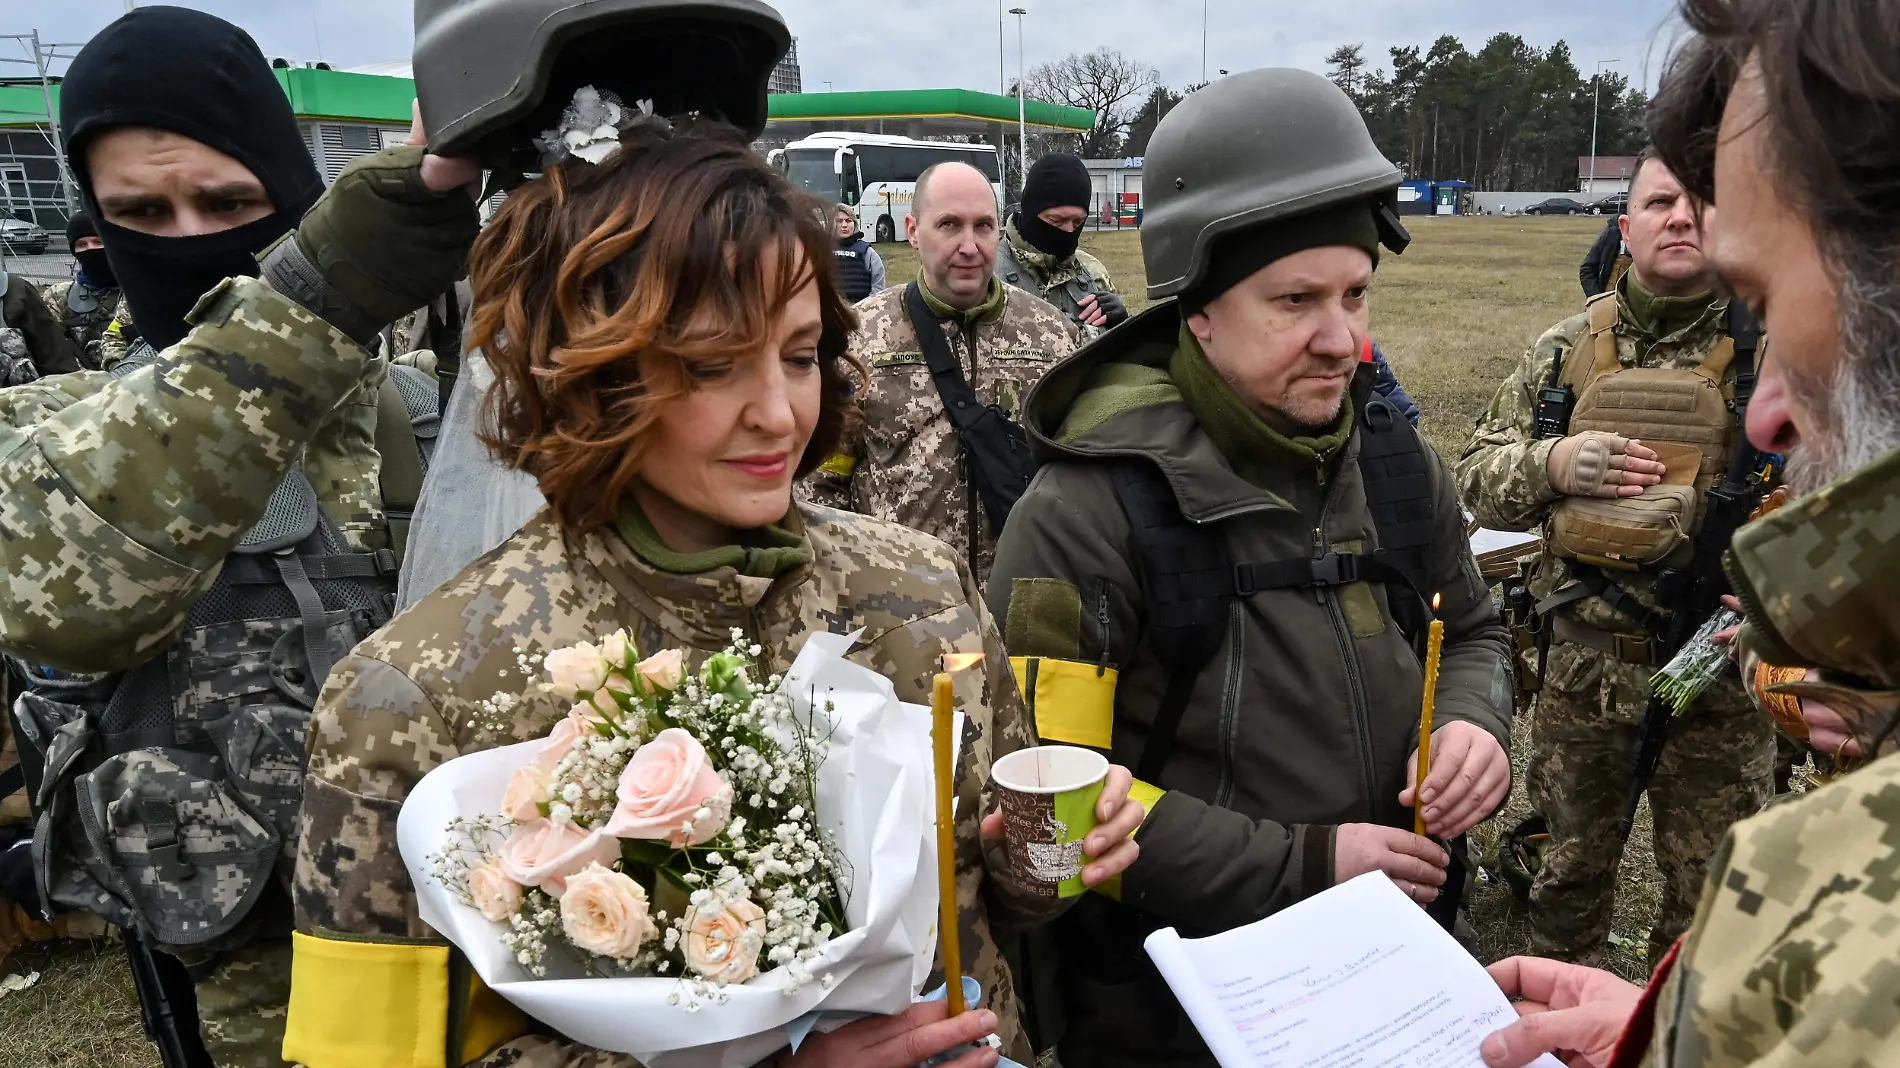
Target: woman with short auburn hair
[{"x": 668, "y": 341}]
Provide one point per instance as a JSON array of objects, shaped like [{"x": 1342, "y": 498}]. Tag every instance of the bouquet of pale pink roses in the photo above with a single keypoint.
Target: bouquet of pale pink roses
[
  {"x": 736, "y": 848},
  {"x": 668, "y": 825}
]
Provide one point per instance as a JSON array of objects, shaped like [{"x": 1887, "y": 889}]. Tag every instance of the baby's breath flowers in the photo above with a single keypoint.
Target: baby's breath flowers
[{"x": 667, "y": 827}]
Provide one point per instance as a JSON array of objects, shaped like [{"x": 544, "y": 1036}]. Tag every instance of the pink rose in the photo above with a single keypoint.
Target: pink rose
[
  {"x": 561, "y": 741},
  {"x": 605, "y": 913},
  {"x": 527, "y": 792},
  {"x": 670, "y": 791},
  {"x": 664, "y": 670},
  {"x": 723, "y": 939},
  {"x": 618, "y": 648},
  {"x": 544, "y": 853},
  {"x": 496, "y": 896},
  {"x": 575, "y": 670}
]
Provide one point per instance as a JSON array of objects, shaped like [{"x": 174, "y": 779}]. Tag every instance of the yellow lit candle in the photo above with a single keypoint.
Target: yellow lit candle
[
  {"x": 1432, "y": 650},
  {"x": 943, "y": 748}
]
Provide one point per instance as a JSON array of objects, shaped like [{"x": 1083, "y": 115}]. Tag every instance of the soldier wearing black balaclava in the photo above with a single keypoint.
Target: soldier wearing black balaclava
[
  {"x": 191, "y": 163},
  {"x": 89, "y": 305},
  {"x": 1041, "y": 248},
  {"x": 196, "y": 76}
]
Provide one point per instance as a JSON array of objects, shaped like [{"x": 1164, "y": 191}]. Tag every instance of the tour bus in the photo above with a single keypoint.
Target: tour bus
[{"x": 875, "y": 173}]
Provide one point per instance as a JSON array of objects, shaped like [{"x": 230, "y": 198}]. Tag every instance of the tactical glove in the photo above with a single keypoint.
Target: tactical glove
[
  {"x": 1586, "y": 465},
  {"x": 1111, "y": 306},
  {"x": 377, "y": 246}
]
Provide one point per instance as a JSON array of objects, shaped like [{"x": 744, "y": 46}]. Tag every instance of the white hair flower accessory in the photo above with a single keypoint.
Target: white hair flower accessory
[{"x": 591, "y": 126}]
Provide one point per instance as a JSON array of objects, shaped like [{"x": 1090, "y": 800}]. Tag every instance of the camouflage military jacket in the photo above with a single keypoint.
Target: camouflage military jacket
[
  {"x": 119, "y": 336},
  {"x": 87, "y": 329},
  {"x": 403, "y": 702},
  {"x": 1792, "y": 956},
  {"x": 1503, "y": 480},
  {"x": 906, "y": 465},
  {"x": 120, "y": 497},
  {"x": 1022, "y": 265}
]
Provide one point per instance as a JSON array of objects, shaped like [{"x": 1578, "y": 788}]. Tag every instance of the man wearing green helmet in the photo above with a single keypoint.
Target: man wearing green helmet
[{"x": 1221, "y": 573}]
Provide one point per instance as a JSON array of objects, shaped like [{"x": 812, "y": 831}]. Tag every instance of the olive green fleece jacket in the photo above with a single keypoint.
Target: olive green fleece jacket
[{"x": 1303, "y": 722}]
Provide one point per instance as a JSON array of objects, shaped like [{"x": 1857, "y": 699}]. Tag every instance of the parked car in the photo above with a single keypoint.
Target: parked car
[
  {"x": 1557, "y": 206},
  {"x": 1614, "y": 204},
  {"x": 18, "y": 235}
]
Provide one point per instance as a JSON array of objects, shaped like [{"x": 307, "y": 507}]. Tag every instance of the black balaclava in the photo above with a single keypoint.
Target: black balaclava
[
  {"x": 197, "y": 75},
  {"x": 94, "y": 267},
  {"x": 1057, "y": 180}
]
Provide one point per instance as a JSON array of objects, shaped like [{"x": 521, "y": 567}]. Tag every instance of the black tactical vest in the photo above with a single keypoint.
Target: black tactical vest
[{"x": 854, "y": 268}]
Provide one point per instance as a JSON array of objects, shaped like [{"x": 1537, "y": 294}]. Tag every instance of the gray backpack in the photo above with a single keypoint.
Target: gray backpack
[{"x": 165, "y": 797}]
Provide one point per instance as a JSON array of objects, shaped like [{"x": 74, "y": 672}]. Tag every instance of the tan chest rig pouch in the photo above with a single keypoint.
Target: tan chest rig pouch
[{"x": 1682, "y": 414}]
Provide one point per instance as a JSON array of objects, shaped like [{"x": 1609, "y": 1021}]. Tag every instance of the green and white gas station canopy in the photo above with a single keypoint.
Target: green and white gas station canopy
[
  {"x": 915, "y": 113},
  {"x": 383, "y": 99}
]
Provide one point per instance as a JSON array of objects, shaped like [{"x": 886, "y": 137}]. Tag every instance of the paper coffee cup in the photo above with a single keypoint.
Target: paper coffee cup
[{"x": 1049, "y": 795}]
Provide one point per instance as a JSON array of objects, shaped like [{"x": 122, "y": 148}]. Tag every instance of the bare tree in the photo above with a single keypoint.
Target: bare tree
[{"x": 1104, "y": 81}]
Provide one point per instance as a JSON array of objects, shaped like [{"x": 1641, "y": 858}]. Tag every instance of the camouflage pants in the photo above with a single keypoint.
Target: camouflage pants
[
  {"x": 242, "y": 1006},
  {"x": 1716, "y": 769}
]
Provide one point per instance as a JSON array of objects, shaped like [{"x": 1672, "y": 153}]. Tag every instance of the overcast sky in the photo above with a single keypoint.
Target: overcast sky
[{"x": 916, "y": 44}]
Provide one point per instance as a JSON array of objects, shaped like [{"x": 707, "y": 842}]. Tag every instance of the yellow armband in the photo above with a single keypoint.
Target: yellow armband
[
  {"x": 1147, "y": 796},
  {"x": 396, "y": 1004},
  {"x": 840, "y": 465},
  {"x": 1070, "y": 702}
]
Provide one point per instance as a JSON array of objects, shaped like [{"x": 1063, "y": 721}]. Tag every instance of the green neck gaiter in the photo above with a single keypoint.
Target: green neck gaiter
[
  {"x": 771, "y": 550},
  {"x": 989, "y": 310},
  {"x": 1258, "y": 453},
  {"x": 1659, "y": 316}
]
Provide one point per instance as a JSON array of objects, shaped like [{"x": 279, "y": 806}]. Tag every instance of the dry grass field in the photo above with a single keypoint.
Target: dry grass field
[{"x": 1454, "y": 314}]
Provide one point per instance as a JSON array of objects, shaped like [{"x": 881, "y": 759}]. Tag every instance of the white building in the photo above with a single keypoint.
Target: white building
[
  {"x": 1602, "y": 176},
  {"x": 1115, "y": 188}
]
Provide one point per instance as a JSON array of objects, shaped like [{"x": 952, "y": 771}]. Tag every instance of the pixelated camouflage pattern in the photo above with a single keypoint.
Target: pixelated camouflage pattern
[
  {"x": 1792, "y": 958},
  {"x": 1718, "y": 763},
  {"x": 1716, "y": 769},
  {"x": 345, "y": 467},
  {"x": 243, "y": 1004},
  {"x": 144, "y": 813},
  {"x": 402, "y": 703},
  {"x": 88, "y": 329},
  {"x": 1816, "y": 577},
  {"x": 909, "y": 467},
  {"x": 16, "y": 362},
  {"x": 1503, "y": 480},
  {"x": 22, "y": 310},
  {"x": 1048, "y": 278},
  {"x": 123, "y": 495},
  {"x": 116, "y": 343}
]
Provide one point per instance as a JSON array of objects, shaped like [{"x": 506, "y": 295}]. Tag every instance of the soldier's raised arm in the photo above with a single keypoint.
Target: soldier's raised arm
[{"x": 120, "y": 496}]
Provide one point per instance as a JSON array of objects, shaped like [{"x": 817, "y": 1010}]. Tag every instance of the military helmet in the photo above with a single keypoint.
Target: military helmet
[
  {"x": 1251, "y": 148},
  {"x": 493, "y": 74}
]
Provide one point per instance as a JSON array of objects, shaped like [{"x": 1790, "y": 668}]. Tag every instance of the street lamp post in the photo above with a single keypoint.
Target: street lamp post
[
  {"x": 1203, "y": 42},
  {"x": 1596, "y": 90},
  {"x": 1002, "y": 157},
  {"x": 1022, "y": 106}
]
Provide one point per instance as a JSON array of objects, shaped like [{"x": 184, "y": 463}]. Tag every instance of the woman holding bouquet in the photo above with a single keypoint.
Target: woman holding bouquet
[{"x": 668, "y": 343}]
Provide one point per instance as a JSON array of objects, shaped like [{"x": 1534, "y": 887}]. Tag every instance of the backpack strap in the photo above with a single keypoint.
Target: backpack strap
[
  {"x": 1586, "y": 362},
  {"x": 996, "y": 450},
  {"x": 1188, "y": 577},
  {"x": 402, "y": 463},
  {"x": 1187, "y": 584}
]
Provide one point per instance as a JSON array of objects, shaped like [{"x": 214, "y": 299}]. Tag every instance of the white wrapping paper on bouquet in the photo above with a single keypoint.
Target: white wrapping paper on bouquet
[{"x": 874, "y": 796}]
